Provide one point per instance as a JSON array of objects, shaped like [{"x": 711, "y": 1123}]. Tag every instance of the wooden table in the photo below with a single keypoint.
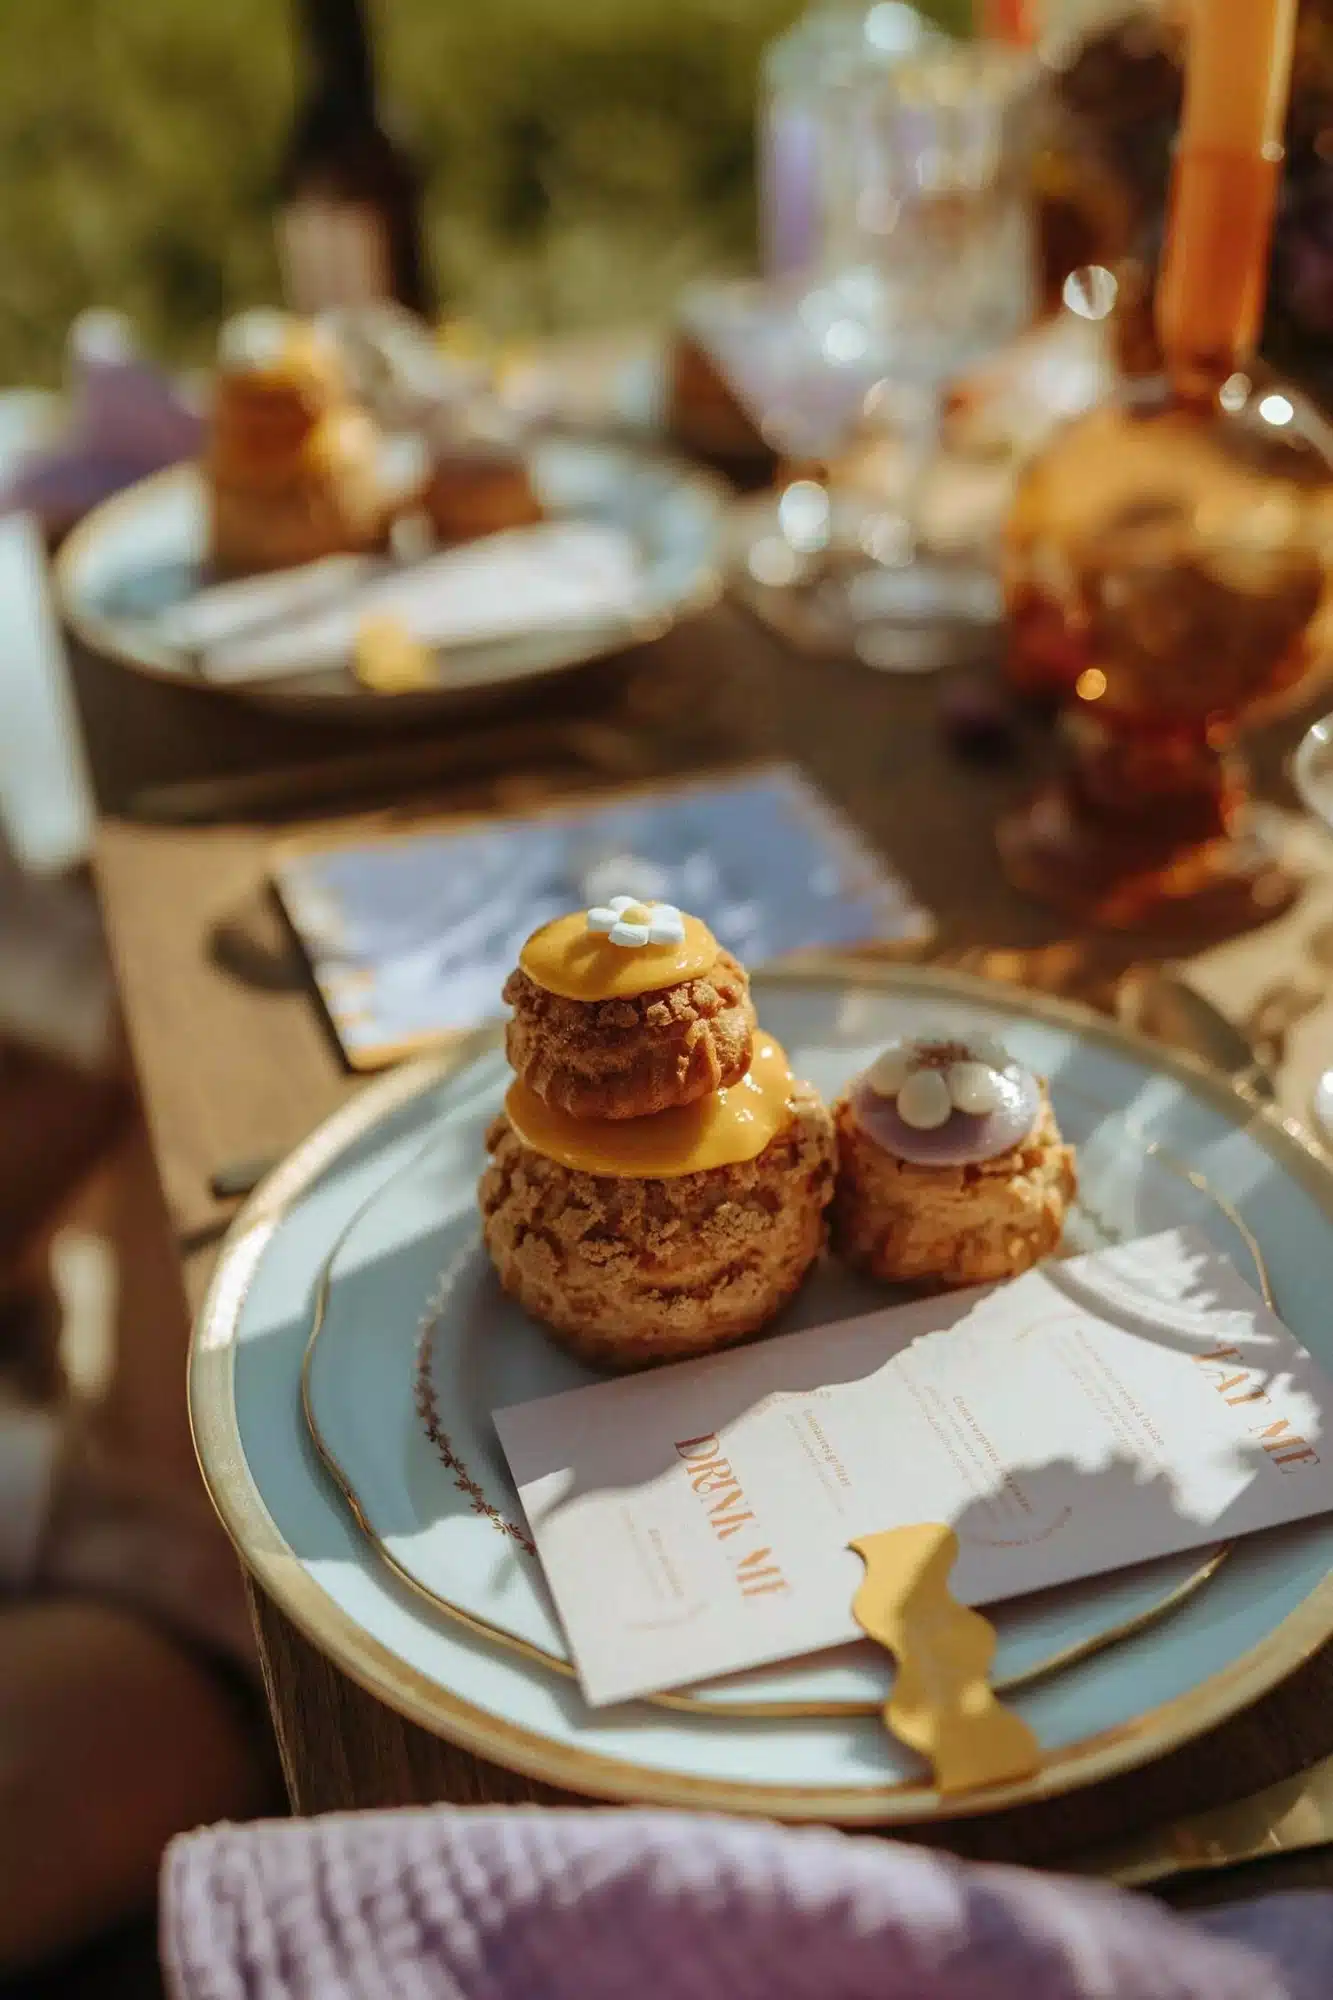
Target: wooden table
[{"x": 234, "y": 1062}]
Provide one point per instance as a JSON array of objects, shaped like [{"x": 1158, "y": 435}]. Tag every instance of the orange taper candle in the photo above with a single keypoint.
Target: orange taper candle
[
  {"x": 1012, "y": 21},
  {"x": 1210, "y": 297}
]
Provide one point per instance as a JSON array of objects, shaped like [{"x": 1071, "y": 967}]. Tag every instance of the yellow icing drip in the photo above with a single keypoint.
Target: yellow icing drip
[
  {"x": 722, "y": 1130},
  {"x": 565, "y": 957}
]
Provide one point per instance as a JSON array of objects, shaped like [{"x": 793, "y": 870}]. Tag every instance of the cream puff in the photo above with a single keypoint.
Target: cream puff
[
  {"x": 626, "y": 1010},
  {"x": 630, "y": 1269},
  {"x": 952, "y": 1170}
]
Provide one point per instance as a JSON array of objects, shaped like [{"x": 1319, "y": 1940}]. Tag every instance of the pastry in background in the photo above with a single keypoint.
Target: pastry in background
[
  {"x": 473, "y": 472},
  {"x": 952, "y": 1170},
  {"x": 293, "y": 463},
  {"x": 640, "y": 1238},
  {"x": 478, "y": 482}
]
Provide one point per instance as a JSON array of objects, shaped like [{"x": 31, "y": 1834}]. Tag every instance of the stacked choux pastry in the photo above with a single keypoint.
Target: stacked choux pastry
[
  {"x": 293, "y": 465},
  {"x": 658, "y": 1180}
]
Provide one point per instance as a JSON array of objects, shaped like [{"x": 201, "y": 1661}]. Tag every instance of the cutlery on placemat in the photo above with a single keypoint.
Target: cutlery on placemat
[
  {"x": 598, "y": 748},
  {"x": 1160, "y": 1002},
  {"x": 1287, "y": 1818}
]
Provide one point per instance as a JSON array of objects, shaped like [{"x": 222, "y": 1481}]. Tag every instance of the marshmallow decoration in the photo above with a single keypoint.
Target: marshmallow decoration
[
  {"x": 890, "y": 1071},
  {"x": 946, "y": 1103},
  {"x": 924, "y": 1101},
  {"x": 975, "y": 1087},
  {"x": 631, "y": 925}
]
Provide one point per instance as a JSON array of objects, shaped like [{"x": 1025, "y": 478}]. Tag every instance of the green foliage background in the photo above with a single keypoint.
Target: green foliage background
[{"x": 586, "y": 155}]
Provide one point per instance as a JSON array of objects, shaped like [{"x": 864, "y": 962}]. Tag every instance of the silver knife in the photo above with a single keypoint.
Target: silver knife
[
  {"x": 1287, "y": 1818},
  {"x": 1160, "y": 1002}
]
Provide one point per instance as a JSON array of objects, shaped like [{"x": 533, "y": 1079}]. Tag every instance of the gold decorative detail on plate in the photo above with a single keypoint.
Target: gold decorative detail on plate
[
  {"x": 569, "y": 1765},
  {"x": 1291, "y": 1817},
  {"x": 428, "y": 1409}
]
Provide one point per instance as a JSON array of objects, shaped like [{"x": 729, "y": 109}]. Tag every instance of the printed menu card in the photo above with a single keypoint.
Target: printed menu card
[{"x": 1093, "y": 1414}]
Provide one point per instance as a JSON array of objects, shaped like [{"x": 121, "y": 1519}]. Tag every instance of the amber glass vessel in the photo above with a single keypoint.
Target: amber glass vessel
[{"x": 1169, "y": 559}]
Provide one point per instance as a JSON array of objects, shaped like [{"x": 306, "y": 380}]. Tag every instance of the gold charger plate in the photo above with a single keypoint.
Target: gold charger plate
[
  {"x": 1091, "y": 1618},
  {"x": 290, "y": 1528}
]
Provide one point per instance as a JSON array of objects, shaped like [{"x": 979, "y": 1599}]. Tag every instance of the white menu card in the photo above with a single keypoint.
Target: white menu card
[{"x": 1093, "y": 1414}]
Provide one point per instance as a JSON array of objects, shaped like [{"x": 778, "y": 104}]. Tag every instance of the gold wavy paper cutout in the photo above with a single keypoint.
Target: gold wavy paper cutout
[{"x": 942, "y": 1705}]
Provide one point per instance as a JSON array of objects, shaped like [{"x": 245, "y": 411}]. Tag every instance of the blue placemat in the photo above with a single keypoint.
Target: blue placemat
[{"x": 412, "y": 935}]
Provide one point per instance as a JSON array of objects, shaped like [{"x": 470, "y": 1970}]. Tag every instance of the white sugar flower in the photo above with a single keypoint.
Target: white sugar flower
[
  {"x": 630, "y": 924},
  {"x": 930, "y": 1080}
]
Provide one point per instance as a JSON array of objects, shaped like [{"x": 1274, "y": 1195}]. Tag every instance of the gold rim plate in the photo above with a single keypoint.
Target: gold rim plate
[
  {"x": 1173, "y": 1598},
  {"x": 343, "y": 700},
  {"x": 569, "y": 1766}
]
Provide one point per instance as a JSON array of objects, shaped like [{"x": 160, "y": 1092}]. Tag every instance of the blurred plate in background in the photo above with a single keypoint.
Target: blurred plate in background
[{"x": 141, "y": 557}]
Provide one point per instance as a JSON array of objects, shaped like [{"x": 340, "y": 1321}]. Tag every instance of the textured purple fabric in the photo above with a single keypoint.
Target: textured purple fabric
[
  {"x": 126, "y": 420},
  {"x": 527, "y": 1905}
]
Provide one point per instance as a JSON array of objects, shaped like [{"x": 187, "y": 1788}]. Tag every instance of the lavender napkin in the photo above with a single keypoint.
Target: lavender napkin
[
  {"x": 528, "y": 1905},
  {"x": 126, "y": 419}
]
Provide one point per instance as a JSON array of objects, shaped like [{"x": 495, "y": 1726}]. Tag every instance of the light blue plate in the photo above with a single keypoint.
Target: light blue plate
[
  {"x": 142, "y": 554},
  {"x": 357, "y": 1230}
]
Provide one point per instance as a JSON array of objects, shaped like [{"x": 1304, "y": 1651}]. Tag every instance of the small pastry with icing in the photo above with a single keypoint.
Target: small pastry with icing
[
  {"x": 292, "y": 467},
  {"x": 952, "y": 1170},
  {"x": 626, "y": 1010},
  {"x": 479, "y": 483}
]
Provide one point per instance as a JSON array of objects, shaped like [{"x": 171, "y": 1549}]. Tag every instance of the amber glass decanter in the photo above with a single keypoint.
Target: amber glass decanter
[{"x": 1168, "y": 560}]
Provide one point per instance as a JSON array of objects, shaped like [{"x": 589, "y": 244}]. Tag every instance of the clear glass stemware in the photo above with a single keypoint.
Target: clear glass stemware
[{"x": 936, "y": 271}]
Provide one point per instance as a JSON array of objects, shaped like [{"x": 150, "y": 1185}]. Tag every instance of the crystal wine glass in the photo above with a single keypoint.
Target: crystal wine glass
[{"x": 937, "y": 272}]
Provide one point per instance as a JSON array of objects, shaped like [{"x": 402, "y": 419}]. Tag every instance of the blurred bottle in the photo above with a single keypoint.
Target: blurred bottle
[{"x": 349, "y": 226}]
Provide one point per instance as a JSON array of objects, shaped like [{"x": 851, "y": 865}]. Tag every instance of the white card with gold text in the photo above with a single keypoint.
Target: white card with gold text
[{"x": 1096, "y": 1413}]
